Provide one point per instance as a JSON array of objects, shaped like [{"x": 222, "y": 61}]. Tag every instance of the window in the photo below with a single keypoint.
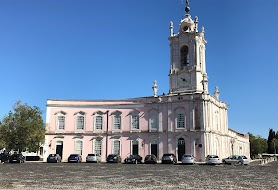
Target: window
[
  {"x": 153, "y": 120},
  {"x": 61, "y": 122},
  {"x": 116, "y": 147},
  {"x": 184, "y": 56},
  {"x": 98, "y": 122},
  {"x": 80, "y": 121},
  {"x": 98, "y": 144},
  {"x": 117, "y": 120},
  {"x": 78, "y": 147},
  {"x": 180, "y": 118},
  {"x": 134, "y": 120}
]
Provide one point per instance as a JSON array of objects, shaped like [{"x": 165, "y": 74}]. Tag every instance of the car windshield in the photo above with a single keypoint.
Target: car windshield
[
  {"x": 243, "y": 157},
  {"x": 91, "y": 154},
  {"x": 52, "y": 155},
  {"x": 74, "y": 155},
  {"x": 132, "y": 156},
  {"x": 168, "y": 155},
  {"x": 187, "y": 155},
  {"x": 213, "y": 156},
  {"x": 111, "y": 155}
]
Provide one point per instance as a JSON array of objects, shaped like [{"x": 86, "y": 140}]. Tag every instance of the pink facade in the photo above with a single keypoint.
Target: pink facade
[{"x": 158, "y": 136}]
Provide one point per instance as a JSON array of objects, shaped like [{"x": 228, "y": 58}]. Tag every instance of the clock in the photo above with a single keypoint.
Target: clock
[{"x": 183, "y": 80}]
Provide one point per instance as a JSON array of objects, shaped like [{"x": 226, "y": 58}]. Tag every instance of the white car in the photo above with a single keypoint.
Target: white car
[
  {"x": 213, "y": 159},
  {"x": 236, "y": 159},
  {"x": 188, "y": 159},
  {"x": 93, "y": 158}
]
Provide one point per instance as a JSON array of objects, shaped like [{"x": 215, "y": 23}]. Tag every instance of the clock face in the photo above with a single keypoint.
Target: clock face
[{"x": 183, "y": 80}]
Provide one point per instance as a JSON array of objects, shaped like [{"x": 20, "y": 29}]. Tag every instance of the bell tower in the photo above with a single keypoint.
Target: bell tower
[{"x": 188, "y": 65}]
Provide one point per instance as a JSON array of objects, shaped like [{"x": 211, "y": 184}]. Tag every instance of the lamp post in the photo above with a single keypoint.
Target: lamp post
[{"x": 274, "y": 146}]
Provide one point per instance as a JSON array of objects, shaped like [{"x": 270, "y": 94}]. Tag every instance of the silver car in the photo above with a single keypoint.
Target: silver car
[
  {"x": 188, "y": 159},
  {"x": 93, "y": 158},
  {"x": 236, "y": 159},
  {"x": 213, "y": 159}
]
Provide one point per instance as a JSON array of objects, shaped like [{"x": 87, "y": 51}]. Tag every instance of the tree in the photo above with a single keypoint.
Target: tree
[
  {"x": 270, "y": 142},
  {"x": 258, "y": 145},
  {"x": 23, "y": 129}
]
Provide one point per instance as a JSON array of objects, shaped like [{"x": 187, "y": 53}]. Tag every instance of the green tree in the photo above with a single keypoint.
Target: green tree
[
  {"x": 258, "y": 145},
  {"x": 270, "y": 142},
  {"x": 23, "y": 129}
]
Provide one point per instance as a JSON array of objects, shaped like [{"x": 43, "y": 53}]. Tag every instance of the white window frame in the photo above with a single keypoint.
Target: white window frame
[
  {"x": 94, "y": 151},
  {"x": 75, "y": 146},
  {"x": 95, "y": 121},
  {"x": 117, "y": 114},
  {"x": 80, "y": 114},
  {"x": 177, "y": 116},
  {"x": 120, "y": 146},
  {"x": 153, "y": 115},
  {"x": 60, "y": 114},
  {"x": 134, "y": 125}
]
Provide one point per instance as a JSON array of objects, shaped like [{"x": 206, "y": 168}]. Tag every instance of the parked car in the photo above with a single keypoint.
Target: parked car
[
  {"x": 114, "y": 158},
  {"x": 150, "y": 159},
  {"x": 93, "y": 158},
  {"x": 4, "y": 157},
  {"x": 169, "y": 158},
  {"x": 75, "y": 158},
  {"x": 54, "y": 158},
  {"x": 18, "y": 158},
  {"x": 188, "y": 159},
  {"x": 213, "y": 159},
  {"x": 236, "y": 159},
  {"x": 133, "y": 159}
]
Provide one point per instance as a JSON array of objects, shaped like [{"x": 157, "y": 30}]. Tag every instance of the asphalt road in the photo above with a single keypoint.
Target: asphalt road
[{"x": 141, "y": 176}]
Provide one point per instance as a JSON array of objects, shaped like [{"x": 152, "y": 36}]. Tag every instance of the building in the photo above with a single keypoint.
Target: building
[{"x": 187, "y": 120}]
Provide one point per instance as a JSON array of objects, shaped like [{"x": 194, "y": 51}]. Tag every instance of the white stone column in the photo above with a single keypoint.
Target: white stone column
[
  {"x": 203, "y": 150},
  {"x": 170, "y": 139},
  {"x": 192, "y": 143},
  {"x": 192, "y": 116}
]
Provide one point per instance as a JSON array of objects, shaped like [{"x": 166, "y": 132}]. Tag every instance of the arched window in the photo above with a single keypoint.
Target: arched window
[
  {"x": 97, "y": 146},
  {"x": 80, "y": 121},
  {"x": 153, "y": 120},
  {"x": 98, "y": 121},
  {"x": 78, "y": 147},
  {"x": 134, "y": 120},
  {"x": 60, "y": 120},
  {"x": 117, "y": 120},
  {"x": 184, "y": 56},
  {"x": 180, "y": 118}
]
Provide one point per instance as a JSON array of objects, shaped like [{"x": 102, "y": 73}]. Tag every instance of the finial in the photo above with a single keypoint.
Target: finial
[
  {"x": 155, "y": 87},
  {"x": 187, "y": 8},
  {"x": 203, "y": 29},
  {"x": 171, "y": 28},
  {"x": 216, "y": 93}
]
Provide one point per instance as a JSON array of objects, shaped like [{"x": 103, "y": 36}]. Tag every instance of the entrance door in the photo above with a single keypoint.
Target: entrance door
[
  {"x": 181, "y": 148},
  {"x": 59, "y": 148},
  {"x": 154, "y": 149},
  {"x": 135, "y": 148}
]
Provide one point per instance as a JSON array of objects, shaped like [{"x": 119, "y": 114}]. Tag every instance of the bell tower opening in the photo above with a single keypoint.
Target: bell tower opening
[{"x": 184, "y": 56}]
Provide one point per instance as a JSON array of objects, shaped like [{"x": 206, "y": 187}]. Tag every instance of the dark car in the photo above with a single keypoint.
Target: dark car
[
  {"x": 150, "y": 159},
  {"x": 169, "y": 159},
  {"x": 18, "y": 158},
  {"x": 114, "y": 158},
  {"x": 133, "y": 159},
  {"x": 75, "y": 158},
  {"x": 54, "y": 158},
  {"x": 4, "y": 157}
]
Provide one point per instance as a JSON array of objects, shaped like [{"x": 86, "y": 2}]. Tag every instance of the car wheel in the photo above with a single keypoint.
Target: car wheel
[{"x": 240, "y": 163}]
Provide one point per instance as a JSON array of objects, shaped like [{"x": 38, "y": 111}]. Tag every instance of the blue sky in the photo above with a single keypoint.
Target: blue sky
[{"x": 92, "y": 49}]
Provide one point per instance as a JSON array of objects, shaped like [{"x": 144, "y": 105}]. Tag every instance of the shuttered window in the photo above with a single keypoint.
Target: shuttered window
[
  {"x": 153, "y": 121},
  {"x": 98, "y": 147},
  {"x": 78, "y": 145},
  {"x": 61, "y": 122},
  {"x": 135, "y": 122},
  {"x": 117, "y": 122},
  {"x": 180, "y": 120},
  {"x": 116, "y": 147},
  {"x": 80, "y": 122},
  {"x": 98, "y": 124}
]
